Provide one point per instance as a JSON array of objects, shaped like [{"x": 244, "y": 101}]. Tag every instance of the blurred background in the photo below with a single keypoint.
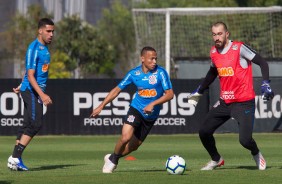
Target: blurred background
[
  {"x": 97, "y": 41},
  {"x": 102, "y": 38}
]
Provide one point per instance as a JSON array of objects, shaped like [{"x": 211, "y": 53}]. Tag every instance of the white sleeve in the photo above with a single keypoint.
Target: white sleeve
[{"x": 247, "y": 53}]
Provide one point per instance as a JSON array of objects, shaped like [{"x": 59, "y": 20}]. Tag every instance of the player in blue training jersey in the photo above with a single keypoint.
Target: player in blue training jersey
[
  {"x": 32, "y": 90},
  {"x": 153, "y": 89}
]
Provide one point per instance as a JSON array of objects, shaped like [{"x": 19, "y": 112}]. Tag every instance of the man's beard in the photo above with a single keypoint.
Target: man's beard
[{"x": 219, "y": 45}]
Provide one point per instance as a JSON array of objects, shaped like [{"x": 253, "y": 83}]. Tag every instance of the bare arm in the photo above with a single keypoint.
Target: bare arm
[
  {"x": 44, "y": 97},
  {"x": 110, "y": 97},
  {"x": 166, "y": 97}
]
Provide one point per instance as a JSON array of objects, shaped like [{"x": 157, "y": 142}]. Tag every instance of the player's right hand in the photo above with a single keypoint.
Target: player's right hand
[
  {"x": 194, "y": 97},
  {"x": 96, "y": 112}
]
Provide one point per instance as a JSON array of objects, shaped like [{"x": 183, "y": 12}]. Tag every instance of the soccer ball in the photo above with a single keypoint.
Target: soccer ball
[{"x": 175, "y": 165}]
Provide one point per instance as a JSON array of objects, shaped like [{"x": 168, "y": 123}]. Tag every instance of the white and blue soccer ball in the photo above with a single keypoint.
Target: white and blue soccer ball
[{"x": 175, "y": 165}]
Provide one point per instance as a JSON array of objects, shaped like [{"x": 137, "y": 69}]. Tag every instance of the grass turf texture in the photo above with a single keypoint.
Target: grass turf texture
[{"x": 79, "y": 159}]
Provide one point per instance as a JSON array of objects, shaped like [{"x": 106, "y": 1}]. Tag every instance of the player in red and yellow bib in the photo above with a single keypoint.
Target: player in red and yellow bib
[
  {"x": 235, "y": 73},
  {"x": 231, "y": 62}
]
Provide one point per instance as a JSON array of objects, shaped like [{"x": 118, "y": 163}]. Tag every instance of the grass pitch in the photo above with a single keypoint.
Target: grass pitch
[{"x": 79, "y": 159}]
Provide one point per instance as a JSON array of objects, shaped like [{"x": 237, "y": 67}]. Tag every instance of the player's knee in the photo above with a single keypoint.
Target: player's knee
[
  {"x": 124, "y": 139},
  {"x": 33, "y": 130},
  {"x": 204, "y": 133},
  {"x": 245, "y": 142},
  {"x": 19, "y": 136}
]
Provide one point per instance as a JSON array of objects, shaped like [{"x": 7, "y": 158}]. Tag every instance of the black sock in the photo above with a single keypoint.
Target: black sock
[
  {"x": 114, "y": 158},
  {"x": 18, "y": 151},
  {"x": 216, "y": 158},
  {"x": 255, "y": 152}
]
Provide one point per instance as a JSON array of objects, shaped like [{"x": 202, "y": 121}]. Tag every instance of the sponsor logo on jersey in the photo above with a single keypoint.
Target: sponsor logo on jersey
[
  {"x": 228, "y": 95},
  {"x": 41, "y": 47},
  {"x": 225, "y": 71},
  {"x": 213, "y": 50},
  {"x": 234, "y": 47},
  {"x": 147, "y": 93},
  {"x": 130, "y": 118},
  {"x": 152, "y": 79},
  {"x": 145, "y": 78},
  {"x": 45, "y": 67}
]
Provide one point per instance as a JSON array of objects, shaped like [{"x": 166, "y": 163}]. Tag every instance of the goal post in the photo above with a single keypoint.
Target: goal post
[{"x": 185, "y": 32}]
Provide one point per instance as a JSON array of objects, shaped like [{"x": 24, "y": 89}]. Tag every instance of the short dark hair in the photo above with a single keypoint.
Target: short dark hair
[
  {"x": 220, "y": 23},
  {"x": 44, "y": 21},
  {"x": 147, "y": 48}
]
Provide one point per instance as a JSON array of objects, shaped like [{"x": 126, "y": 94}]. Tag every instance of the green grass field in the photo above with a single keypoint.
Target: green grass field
[{"x": 79, "y": 159}]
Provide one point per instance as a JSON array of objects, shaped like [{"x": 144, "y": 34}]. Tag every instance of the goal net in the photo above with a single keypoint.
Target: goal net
[{"x": 186, "y": 32}]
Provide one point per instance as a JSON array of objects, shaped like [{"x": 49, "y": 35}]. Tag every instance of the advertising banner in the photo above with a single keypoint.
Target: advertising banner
[{"x": 73, "y": 101}]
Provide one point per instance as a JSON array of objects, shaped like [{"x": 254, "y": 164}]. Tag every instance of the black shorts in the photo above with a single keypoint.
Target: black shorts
[
  {"x": 33, "y": 113},
  {"x": 141, "y": 126},
  {"x": 242, "y": 112}
]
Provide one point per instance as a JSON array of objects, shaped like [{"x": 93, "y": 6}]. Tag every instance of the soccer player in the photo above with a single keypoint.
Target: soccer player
[
  {"x": 32, "y": 91},
  {"x": 232, "y": 62},
  {"x": 153, "y": 88}
]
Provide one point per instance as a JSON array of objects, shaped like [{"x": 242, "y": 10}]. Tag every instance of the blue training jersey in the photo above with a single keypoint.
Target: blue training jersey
[
  {"x": 150, "y": 86},
  {"x": 37, "y": 58}
]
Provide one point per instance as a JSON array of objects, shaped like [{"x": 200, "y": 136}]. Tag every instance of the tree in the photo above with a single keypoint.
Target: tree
[
  {"x": 58, "y": 68},
  {"x": 206, "y": 3},
  {"x": 20, "y": 32},
  {"x": 116, "y": 26},
  {"x": 186, "y": 3},
  {"x": 89, "y": 54},
  {"x": 251, "y": 3}
]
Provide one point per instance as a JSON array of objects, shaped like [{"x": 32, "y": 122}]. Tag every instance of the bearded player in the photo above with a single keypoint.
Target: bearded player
[{"x": 231, "y": 62}]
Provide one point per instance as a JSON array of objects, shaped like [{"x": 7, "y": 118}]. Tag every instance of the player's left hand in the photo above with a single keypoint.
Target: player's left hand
[
  {"x": 46, "y": 99},
  {"x": 17, "y": 89},
  {"x": 266, "y": 91}
]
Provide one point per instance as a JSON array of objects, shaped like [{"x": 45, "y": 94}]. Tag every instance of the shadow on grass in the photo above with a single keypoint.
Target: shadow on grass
[
  {"x": 52, "y": 167},
  {"x": 5, "y": 182},
  {"x": 245, "y": 167},
  {"x": 152, "y": 170}
]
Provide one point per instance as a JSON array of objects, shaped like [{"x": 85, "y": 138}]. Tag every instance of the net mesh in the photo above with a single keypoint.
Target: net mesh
[{"x": 190, "y": 36}]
